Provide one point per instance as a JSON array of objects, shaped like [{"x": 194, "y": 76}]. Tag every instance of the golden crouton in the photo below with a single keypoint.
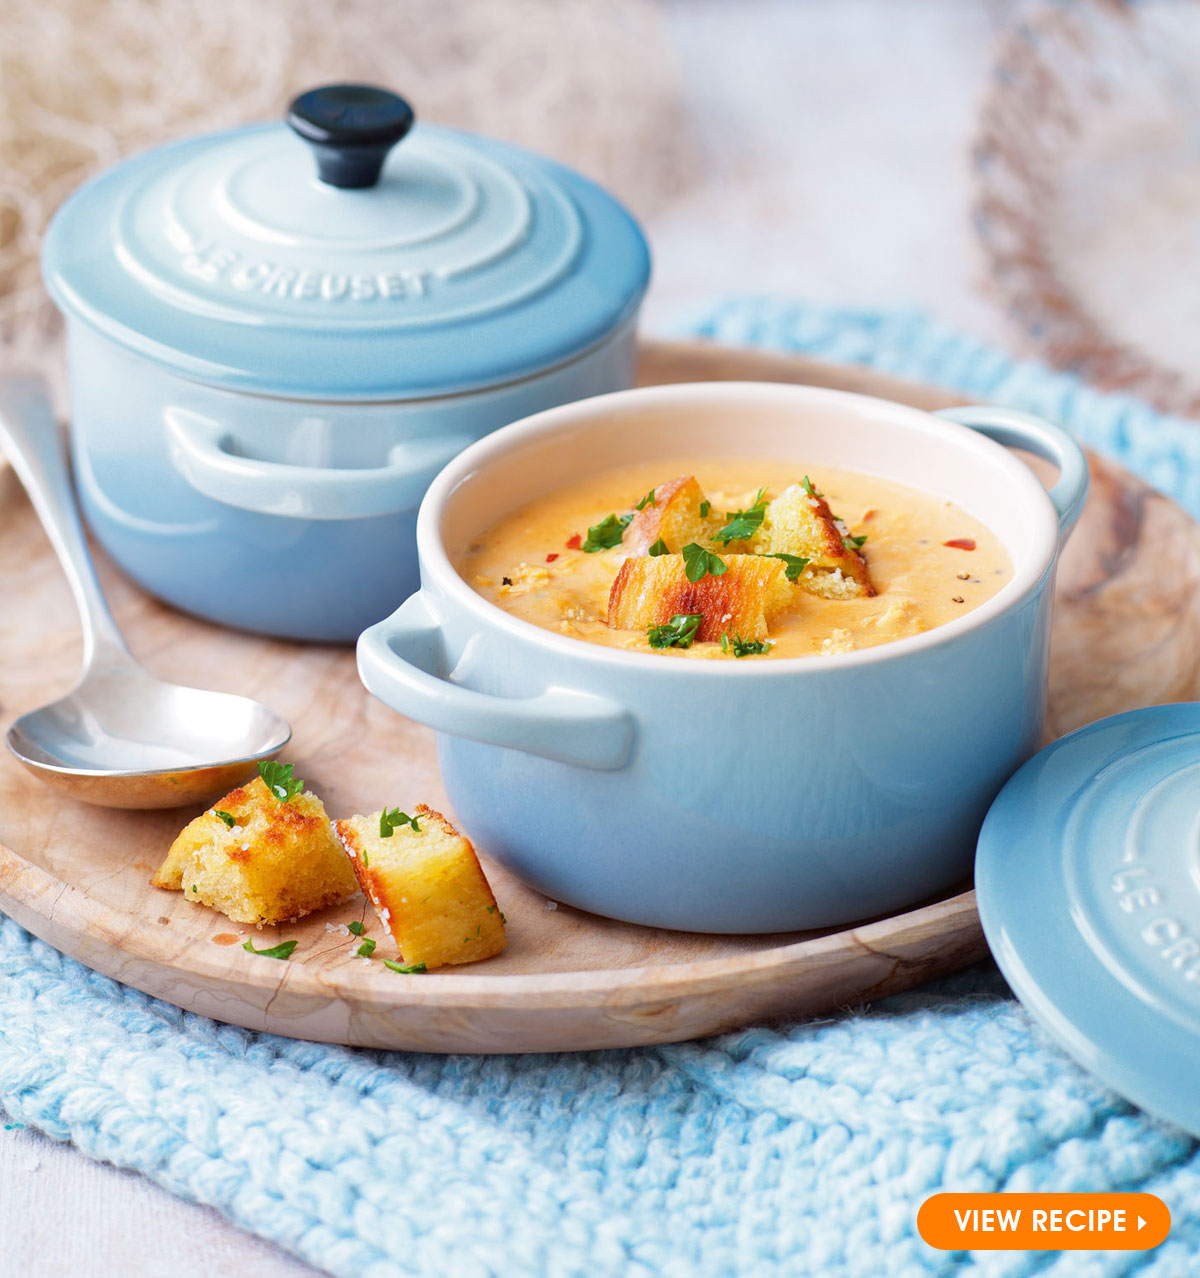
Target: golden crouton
[
  {"x": 427, "y": 887},
  {"x": 672, "y": 516},
  {"x": 742, "y": 601},
  {"x": 277, "y": 861},
  {"x": 799, "y": 522}
]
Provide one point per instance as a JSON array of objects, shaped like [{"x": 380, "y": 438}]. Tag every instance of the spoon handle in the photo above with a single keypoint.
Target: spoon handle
[{"x": 30, "y": 438}]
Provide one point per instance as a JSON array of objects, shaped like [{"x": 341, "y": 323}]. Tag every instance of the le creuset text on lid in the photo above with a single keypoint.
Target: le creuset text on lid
[
  {"x": 354, "y": 255},
  {"x": 1088, "y": 875},
  {"x": 277, "y": 336}
]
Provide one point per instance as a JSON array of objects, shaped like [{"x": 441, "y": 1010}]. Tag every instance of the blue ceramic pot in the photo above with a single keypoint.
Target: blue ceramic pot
[
  {"x": 732, "y": 796},
  {"x": 276, "y": 341}
]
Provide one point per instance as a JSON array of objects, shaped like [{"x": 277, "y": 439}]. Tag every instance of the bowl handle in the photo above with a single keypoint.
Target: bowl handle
[
  {"x": 202, "y": 452},
  {"x": 1015, "y": 429},
  {"x": 396, "y": 662}
]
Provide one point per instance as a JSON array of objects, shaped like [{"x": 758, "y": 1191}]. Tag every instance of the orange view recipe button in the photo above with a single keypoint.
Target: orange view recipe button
[{"x": 1044, "y": 1222}]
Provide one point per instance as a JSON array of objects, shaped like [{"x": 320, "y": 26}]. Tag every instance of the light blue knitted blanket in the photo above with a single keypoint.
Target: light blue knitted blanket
[{"x": 804, "y": 1150}]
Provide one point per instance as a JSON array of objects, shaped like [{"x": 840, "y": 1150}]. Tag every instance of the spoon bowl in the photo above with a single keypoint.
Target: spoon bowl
[
  {"x": 121, "y": 738},
  {"x": 125, "y": 739}
]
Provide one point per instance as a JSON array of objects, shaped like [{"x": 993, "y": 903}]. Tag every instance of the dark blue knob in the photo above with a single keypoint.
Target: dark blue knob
[{"x": 351, "y": 128}]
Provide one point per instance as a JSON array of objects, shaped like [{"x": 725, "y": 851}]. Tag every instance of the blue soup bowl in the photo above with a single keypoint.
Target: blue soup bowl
[{"x": 737, "y": 797}]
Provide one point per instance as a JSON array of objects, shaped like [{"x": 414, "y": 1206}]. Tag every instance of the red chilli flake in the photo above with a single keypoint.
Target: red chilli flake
[
  {"x": 960, "y": 543},
  {"x": 551, "y": 557},
  {"x": 574, "y": 541}
]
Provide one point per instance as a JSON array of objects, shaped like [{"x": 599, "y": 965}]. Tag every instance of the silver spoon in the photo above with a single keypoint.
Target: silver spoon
[{"x": 122, "y": 738}]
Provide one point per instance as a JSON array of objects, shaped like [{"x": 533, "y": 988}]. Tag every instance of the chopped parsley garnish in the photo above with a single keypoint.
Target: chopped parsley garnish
[
  {"x": 356, "y": 927},
  {"x": 794, "y": 565},
  {"x": 393, "y": 820},
  {"x": 853, "y": 543},
  {"x": 743, "y": 647},
  {"x": 744, "y": 523},
  {"x": 660, "y": 547},
  {"x": 281, "y": 951},
  {"x": 679, "y": 632},
  {"x": 405, "y": 969},
  {"x": 279, "y": 780},
  {"x": 705, "y": 507},
  {"x": 699, "y": 563},
  {"x": 229, "y": 820},
  {"x": 808, "y": 487},
  {"x": 195, "y": 887},
  {"x": 366, "y": 949},
  {"x": 366, "y": 860},
  {"x": 648, "y": 500},
  {"x": 607, "y": 533}
]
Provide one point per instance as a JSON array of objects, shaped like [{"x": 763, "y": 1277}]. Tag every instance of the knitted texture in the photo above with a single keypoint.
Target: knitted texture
[{"x": 789, "y": 1151}]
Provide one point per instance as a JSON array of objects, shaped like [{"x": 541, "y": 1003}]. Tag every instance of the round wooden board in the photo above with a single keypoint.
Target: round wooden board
[{"x": 1127, "y": 634}]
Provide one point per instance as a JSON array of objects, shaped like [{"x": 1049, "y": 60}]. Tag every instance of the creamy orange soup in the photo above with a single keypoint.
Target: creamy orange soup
[{"x": 929, "y": 561}]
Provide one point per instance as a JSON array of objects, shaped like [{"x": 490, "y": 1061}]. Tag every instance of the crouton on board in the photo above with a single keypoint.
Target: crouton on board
[
  {"x": 277, "y": 860},
  {"x": 427, "y": 887}
]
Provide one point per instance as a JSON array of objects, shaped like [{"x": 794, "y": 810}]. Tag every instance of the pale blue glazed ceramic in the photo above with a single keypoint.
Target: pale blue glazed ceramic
[
  {"x": 1088, "y": 875},
  {"x": 267, "y": 369},
  {"x": 722, "y": 796}
]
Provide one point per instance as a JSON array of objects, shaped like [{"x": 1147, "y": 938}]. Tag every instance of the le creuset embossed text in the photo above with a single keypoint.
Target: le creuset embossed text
[
  {"x": 735, "y": 796},
  {"x": 277, "y": 337}
]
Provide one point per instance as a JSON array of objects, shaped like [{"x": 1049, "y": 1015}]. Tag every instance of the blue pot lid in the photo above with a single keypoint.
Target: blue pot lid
[
  {"x": 265, "y": 259},
  {"x": 1088, "y": 880}
]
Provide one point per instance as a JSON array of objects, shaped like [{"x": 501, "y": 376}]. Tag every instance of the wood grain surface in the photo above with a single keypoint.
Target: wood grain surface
[{"x": 1126, "y": 634}]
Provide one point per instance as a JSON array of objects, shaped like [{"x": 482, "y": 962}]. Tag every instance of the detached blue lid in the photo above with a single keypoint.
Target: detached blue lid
[
  {"x": 1088, "y": 878},
  {"x": 318, "y": 262}
]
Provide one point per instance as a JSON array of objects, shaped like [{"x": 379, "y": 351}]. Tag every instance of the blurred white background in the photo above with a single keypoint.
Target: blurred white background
[{"x": 835, "y": 139}]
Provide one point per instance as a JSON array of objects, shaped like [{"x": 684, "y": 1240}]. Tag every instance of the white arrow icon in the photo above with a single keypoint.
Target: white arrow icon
[{"x": 1141, "y": 1224}]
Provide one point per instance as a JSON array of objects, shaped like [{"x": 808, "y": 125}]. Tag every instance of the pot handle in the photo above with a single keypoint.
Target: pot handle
[
  {"x": 201, "y": 451},
  {"x": 1015, "y": 429},
  {"x": 397, "y": 659}
]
